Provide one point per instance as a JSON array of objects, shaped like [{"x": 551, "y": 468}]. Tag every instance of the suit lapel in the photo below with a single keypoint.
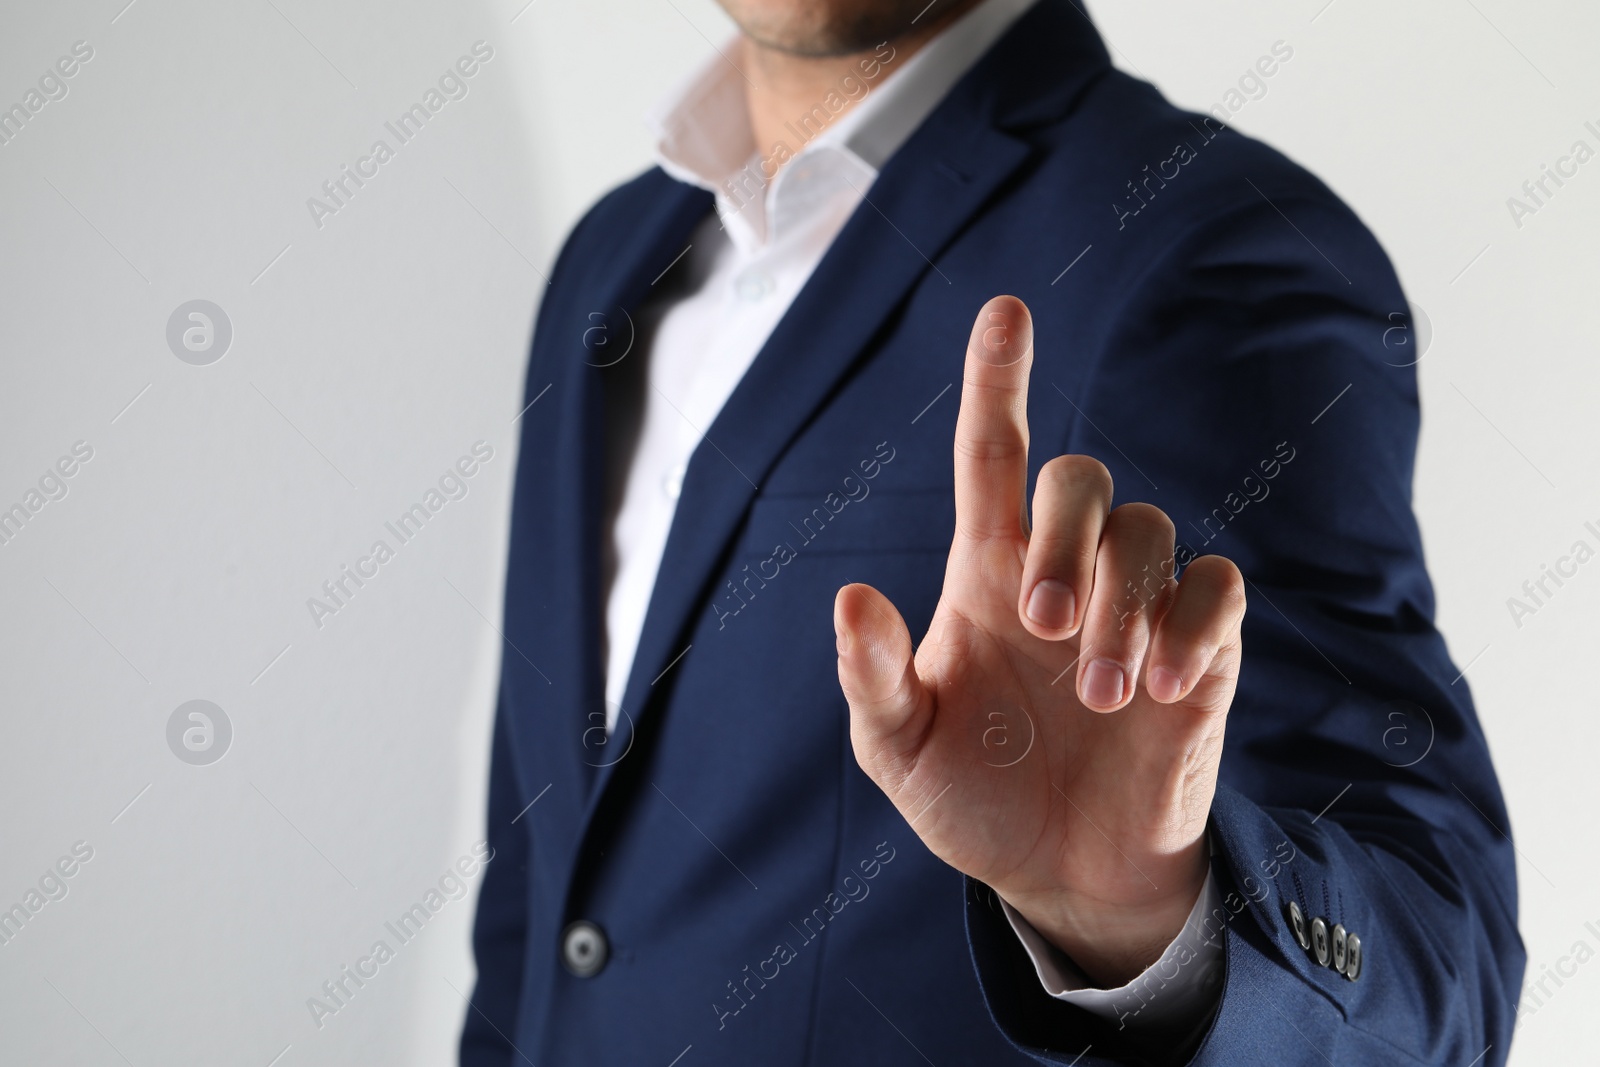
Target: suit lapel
[{"x": 925, "y": 194}]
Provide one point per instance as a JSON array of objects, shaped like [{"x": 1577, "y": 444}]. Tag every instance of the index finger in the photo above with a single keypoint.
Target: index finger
[{"x": 991, "y": 446}]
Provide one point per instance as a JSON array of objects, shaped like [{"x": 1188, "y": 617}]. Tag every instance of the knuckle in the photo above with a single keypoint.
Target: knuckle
[
  {"x": 1125, "y": 647},
  {"x": 1143, "y": 520},
  {"x": 989, "y": 448},
  {"x": 1078, "y": 475},
  {"x": 1223, "y": 581},
  {"x": 1120, "y": 623},
  {"x": 971, "y": 535},
  {"x": 1066, "y": 554}
]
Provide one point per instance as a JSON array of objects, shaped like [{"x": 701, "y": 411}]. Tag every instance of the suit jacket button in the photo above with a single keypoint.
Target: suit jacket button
[
  {"x": 1321, "y": 946},
  {"x": 1352, "y": 957},
  {"x": 583, "y": 948},
  {"x": 1340, "y": 946},
  {"x": 1297, "y": 925}
]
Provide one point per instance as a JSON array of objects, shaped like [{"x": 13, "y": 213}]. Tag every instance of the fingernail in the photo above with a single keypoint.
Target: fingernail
[
  {"x": 841, "y": 641},
  {"x": 1164, "y": 685},
  {"x": 1102, "y": 683},
  {"x": 1051, "y": 604}
]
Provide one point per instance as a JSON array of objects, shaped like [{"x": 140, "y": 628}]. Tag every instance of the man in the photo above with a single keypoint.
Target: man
[{"x": 1101, "y": 814}]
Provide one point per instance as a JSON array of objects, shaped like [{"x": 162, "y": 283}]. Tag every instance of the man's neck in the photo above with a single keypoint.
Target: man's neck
[{"x": 792, "y": 98}]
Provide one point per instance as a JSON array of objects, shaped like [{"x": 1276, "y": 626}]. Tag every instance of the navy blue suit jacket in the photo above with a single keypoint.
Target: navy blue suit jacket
[{"x": 1225, "y": 344}]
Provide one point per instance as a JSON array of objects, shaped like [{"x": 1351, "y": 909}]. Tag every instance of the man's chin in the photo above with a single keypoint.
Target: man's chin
[
  {"x": 811, "y": 41},
  {"x": 822, "y": 30},
  {"x": 811, "y": 47}
]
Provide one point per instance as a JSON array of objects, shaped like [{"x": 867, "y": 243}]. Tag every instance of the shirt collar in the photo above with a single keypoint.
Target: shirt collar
[{"x": 703, "y": 134}]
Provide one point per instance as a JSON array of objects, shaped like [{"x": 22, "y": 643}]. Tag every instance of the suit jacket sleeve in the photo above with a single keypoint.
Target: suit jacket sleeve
[{"x": 1254, "y": 387}]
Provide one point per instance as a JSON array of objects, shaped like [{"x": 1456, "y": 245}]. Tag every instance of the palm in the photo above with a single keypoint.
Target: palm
[
  {"x": 1049, "y": 788},
  {"x": 984, "y": 740}
]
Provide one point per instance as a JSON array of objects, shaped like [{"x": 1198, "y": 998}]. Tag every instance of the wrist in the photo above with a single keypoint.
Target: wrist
[{"x": 1113, "y": 941}]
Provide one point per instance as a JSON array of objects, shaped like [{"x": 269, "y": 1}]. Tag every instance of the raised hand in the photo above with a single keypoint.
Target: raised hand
[{"x": 1057, "y": 732}]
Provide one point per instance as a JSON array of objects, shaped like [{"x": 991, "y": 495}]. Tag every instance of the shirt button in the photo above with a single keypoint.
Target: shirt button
[
  {"x": 672, "y": 483},
  {"x": 753, "y": 286},
  {"x": 583, "y": 948}
]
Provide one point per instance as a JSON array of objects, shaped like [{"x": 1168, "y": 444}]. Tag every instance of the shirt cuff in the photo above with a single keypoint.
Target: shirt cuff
[{"x": 1176, "y": 992}]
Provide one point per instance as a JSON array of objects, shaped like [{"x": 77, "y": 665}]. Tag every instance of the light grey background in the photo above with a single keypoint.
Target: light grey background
[{"x": 368, "y": 354}]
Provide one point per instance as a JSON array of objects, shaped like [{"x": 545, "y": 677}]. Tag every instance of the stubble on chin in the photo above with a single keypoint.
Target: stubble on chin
[{"x": 826, "y": 32}]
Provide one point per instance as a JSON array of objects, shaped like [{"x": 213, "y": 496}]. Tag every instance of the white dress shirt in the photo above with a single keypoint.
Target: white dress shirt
[{"x": 742, "y": 269}]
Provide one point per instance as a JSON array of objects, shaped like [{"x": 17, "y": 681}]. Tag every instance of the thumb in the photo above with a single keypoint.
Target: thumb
[{"x": 890, "y": 708}]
